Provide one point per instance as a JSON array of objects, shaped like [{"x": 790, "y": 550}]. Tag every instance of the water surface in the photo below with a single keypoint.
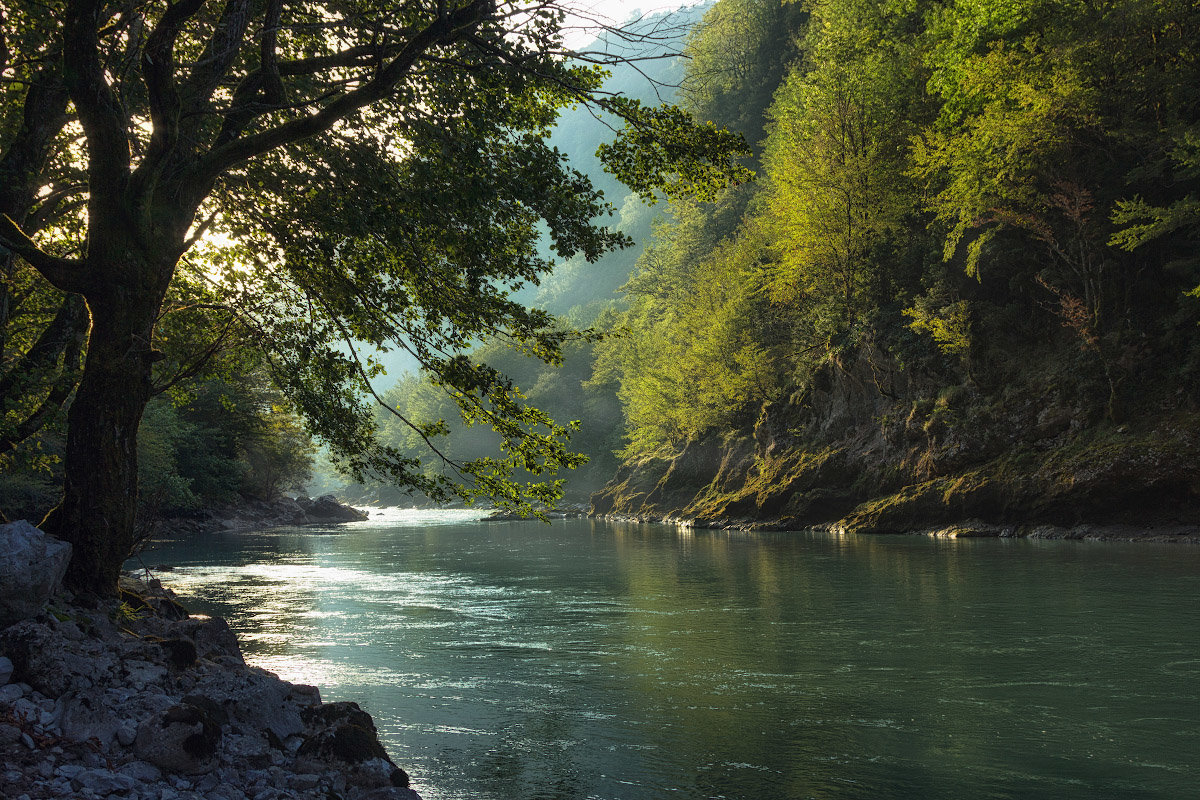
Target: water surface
[{"x": 591, "y": 660}]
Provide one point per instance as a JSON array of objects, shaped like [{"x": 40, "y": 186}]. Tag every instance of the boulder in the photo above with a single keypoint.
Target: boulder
[
  {"x": 32, "y": 566},
  {"x": 327, "y": 508},
  {"x": 53, "y": 664},
  {"x": 183, "y": 739},
  {"x": 255, "y": 700},
  {"x": 85, "y": 717},
  {"x": 340, "y": 732}
]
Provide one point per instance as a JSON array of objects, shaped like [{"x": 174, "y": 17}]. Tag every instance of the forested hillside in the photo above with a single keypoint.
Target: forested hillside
[
  {"x": 965, "y": 283},
  {"x": 583, "y": 293}
]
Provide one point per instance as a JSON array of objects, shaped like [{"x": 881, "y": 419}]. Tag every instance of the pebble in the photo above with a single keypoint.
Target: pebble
[{"x": 6, "y": 670}]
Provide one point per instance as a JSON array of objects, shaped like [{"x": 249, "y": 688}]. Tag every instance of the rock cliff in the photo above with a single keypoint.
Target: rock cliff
[{"x": 862, "y": 450}]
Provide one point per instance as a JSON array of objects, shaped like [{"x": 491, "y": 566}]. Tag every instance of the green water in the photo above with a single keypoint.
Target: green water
[{"x": 589, "y": 660}]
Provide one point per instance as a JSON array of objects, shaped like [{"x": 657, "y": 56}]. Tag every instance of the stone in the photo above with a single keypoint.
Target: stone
[
  {"x": 6, "y": 670},
  {"x": 32, "y": 565},
  {"x": 10, "y": 693},
  {"x": 388, "y": 793},
  {"x": 86, "y": 717},
  {"x": 183, "y": 739},
  {"x": 9, "y": 734},
  {"x": 327, "y": 507},
  {"x": 142, "y": 673},
  {"x": 49, "y": 663},
  {"x": 127, "y": 733},
  {"x": 341, "y": 732},
  {"x": 374, "y": 772},
  {"x": 255, "y": 699},
  {"x": 103, "y": 781},
  {"x": 141, "y": 771},
  {"x": 303, "y": 781},
  {"x": 26, "y": 710},
  {"x": 213, "y": 637}
]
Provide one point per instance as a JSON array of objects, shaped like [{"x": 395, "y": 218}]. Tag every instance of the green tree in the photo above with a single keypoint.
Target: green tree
[
  {"x": 737, "y": 56},
  {"x": 836, "y": 194},
  {"x": 381, "y": 171}
]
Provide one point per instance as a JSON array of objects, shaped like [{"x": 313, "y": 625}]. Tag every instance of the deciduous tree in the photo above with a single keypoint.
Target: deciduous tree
[{"x": 378, "y": 173}]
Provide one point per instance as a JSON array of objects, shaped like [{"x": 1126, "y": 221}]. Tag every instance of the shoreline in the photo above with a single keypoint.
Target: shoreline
[
  {"x": 138, "y": 700},
  {"x": 967, "y": 529}
]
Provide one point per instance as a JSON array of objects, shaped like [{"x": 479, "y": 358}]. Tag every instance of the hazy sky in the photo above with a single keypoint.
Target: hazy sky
[{"x": 614, "y": 12}]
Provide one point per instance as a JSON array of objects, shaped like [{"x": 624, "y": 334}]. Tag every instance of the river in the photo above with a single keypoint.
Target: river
[{"x": 584, "y": 659}]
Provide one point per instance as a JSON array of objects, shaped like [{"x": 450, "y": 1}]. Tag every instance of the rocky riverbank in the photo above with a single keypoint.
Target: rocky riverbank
[
  {"x": 134, "y": 698},
  {"x": 966, "y": 529},
  {"x": 259, "y": 514},
  {"x": 566, "y": 511},
  {"x": 844, "y": 455}
]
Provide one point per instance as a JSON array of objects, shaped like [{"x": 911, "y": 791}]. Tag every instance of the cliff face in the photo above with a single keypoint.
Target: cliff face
[{"x": 864, "y": 449}]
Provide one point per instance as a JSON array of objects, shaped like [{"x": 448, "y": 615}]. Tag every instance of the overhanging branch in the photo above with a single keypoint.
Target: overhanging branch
[
  {"x": 64, "y": 273},
  {"x": 448, "y": 29}
]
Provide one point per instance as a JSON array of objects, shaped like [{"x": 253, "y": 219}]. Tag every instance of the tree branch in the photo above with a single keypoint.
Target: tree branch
[
  {"x": 64, "y": 273},
  {"x": 452, "y": 27},
  {"x": 100, "y": 112},
  {"x": 220, "y": 52},
  {"x": 158, "y": 73},
  {"x": 43, "y": 116}
]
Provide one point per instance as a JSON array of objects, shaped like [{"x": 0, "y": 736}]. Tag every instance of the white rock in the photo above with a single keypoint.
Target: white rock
[
  {"x": 142, "y": 771},
  {"x": 127, "y": 733},
  {"x": 103, "y": 781},
  {"x": 70, "y": 770},
  {"x": 11, "y": 692},
  {"x": 26, "y": 709},
  {"x": 32, "y": 566},
  {"x": 374, "y": 772},
  {"x": 6, "y": 670}
]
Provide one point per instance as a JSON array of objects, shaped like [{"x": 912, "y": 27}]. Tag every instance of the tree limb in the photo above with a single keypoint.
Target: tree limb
[
  {"x": 64, "y": 273},
  {"x": 99, "y": 109},
  {"x": 225, "y": 156},
  {"x": 64, "y": 337},
  {"x": 158, "y": 73},
  {"x": 219, "y": 53}
]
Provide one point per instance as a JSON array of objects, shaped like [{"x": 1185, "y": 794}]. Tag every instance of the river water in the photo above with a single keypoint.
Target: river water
[{"x": 583, "y": 659}]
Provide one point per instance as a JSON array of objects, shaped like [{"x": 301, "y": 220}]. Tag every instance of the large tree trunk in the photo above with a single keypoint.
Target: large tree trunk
[{"x": 99, "y": 505}]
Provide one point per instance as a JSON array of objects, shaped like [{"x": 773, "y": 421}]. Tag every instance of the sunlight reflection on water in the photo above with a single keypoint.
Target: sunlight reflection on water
[{"x": 584, "y": 660}]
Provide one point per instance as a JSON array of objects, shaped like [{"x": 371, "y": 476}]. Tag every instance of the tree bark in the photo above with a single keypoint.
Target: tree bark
[{"x": 99, "y": 505}]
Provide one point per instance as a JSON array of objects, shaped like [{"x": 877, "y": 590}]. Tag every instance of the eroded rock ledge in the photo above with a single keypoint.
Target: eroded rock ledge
[
  {"x": 138, "y": 700},
  {"x": 259, "y": 514},
  {"x": 842, "y": 455}
]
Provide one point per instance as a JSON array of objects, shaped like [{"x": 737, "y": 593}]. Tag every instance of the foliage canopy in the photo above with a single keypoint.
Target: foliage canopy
[{"x": 367, "y": 173}]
